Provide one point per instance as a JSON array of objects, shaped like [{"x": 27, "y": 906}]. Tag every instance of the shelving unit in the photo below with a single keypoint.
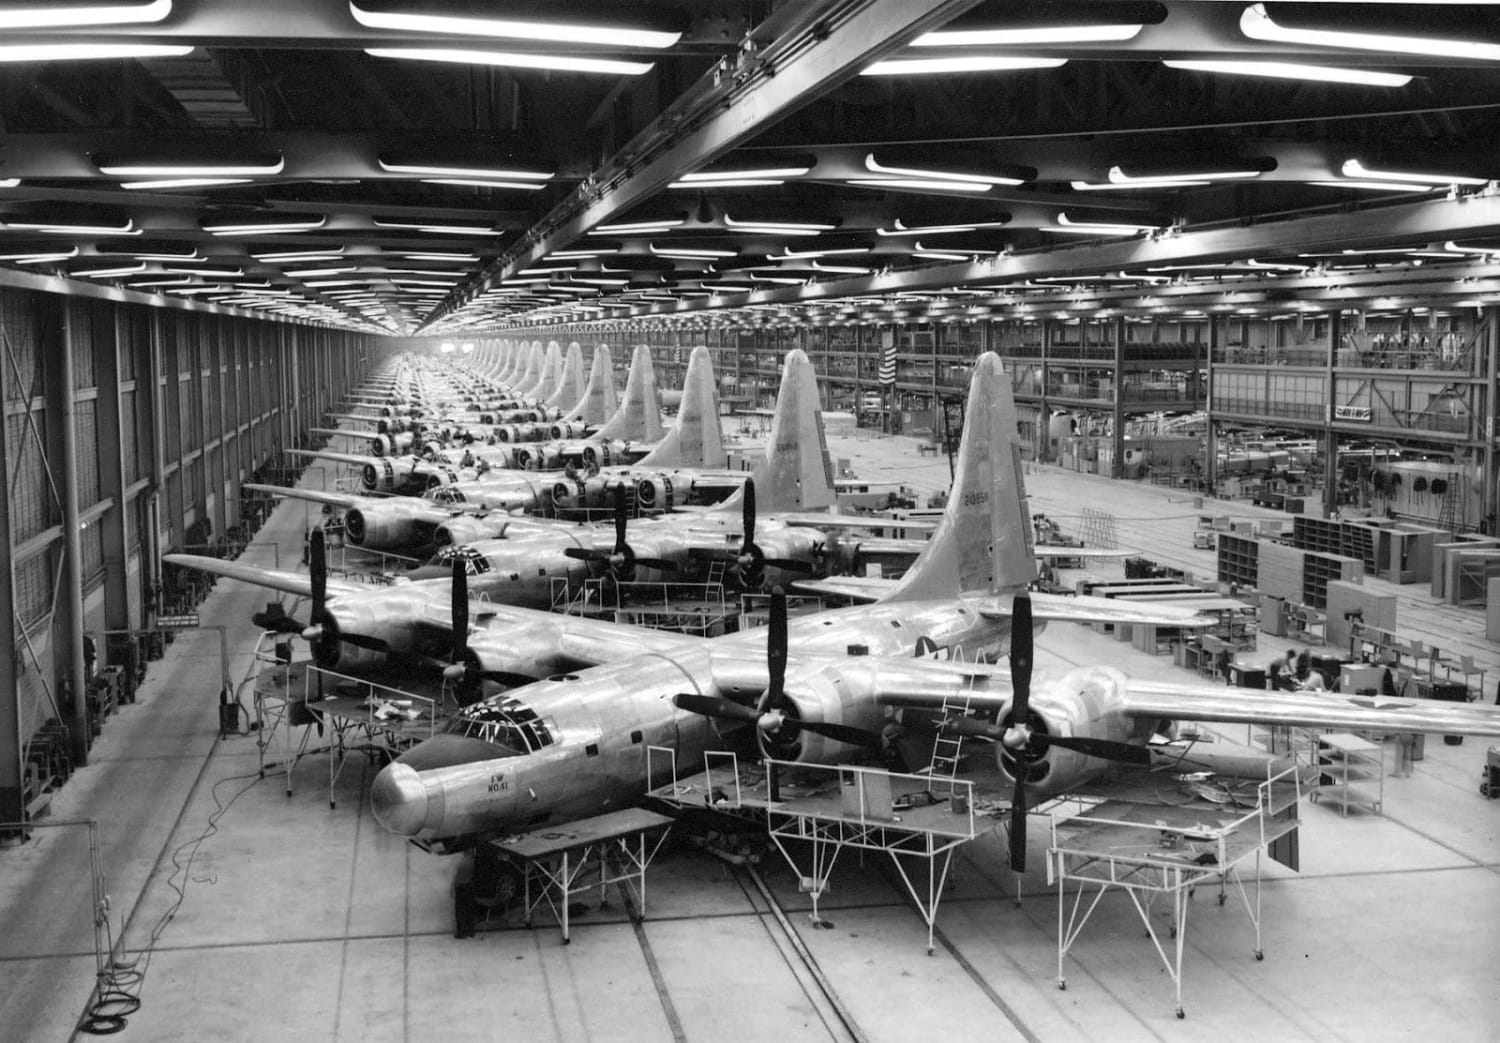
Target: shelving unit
[
  {"x": 1318, "y": 570},
  {"x": 1352, "y": 772},
  {"x": 1239, "y": 560}
]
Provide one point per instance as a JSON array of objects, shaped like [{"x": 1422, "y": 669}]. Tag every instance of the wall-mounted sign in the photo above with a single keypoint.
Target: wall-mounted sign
[{"x": 1358, "y": 413}]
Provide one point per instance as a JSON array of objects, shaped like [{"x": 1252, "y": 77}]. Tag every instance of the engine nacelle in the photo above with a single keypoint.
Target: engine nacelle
[
  {"x": 469, "y": 528},
  {"x": 378, "y": 477},
  {"x": 655, "y": 493},
  {"x": 569, "y": 494},
  {"x": 1086, "y": 703},
  {"x": 363, "y": 637},
  {"x": 834, "y": 695},
  {"x": 389, "y": 526},
  {"x": 508, "y": 433},
  {"x": 567, "y": 429}
]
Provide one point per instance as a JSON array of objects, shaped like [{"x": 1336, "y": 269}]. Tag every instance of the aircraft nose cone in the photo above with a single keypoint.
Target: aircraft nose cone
[{"x": 399, "y": 800}]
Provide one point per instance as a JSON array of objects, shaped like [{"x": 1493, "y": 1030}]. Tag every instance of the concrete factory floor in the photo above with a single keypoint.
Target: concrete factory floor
[{"x": 249, "y": 913}]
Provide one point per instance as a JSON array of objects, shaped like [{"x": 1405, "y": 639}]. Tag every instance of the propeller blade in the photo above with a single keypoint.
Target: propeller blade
[
  {"x": 620, "y": 518},
  {"x": 584, "y": 554},
  {"x": 1104, "y": 749},
  {"x": 1018, "y": 829},
  {"x": 318, "y": 567},
  {"x": 840, "y": 732},
  {"x": 776, "y": 642},
  {"x": 714, "y": 706},
  {"x": 747, "y": 517},
  {"x": 460, "y": 606},
  {"x": 1021, "y": 641}
]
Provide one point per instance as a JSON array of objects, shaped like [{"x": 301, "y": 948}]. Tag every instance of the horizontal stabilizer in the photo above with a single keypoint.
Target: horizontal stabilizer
[{"x": 1050, "y": 551}]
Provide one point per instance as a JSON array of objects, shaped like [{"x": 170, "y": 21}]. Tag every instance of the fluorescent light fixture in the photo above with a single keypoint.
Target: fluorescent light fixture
[
  {"x": 638, "y": 227},
  {"x": 266, "y": 227},
  {"x": 962, "y": 251},
  {"x": 1099, "y": 227},
  {"x": 512, "y": 60},
  {"x": 301, "y": 255},
  {"x": 82, "y": 52},
  {"x": 33, "y": 257},
  {"x": 1257, "y": 24},
  {"x": 777, "y": 227},
  {"x": 119, "y": 166},
  {"x": 691, "y": 253},
  {"x": 438, "y": 229},
  {"x": 446, "y": 170},
  {"x": 439, "y": 256},
  {"x": 840, "y": 269},
  {"x": 1355, "y": 169},
  {"x": 205, "y": 273},
  {"x": 110, "y": 273},
  {"x": 55, "y": 16},
  {"x": 516, "y": 29},
  {"x": 719, "y": 177},
  {"x": 1117, "y": 176},
  {"x": 185, "y": 182},
  {"x": 1454, "y": 247},
  {"x": 462, "y": 182},
  {"x": 802, "y": 255},
  {"x": 9, "y": 182},
  {"x": 1105, "y": 186},
  {"x": 1377, "y": 186},
  {"x": 744, "y": 182},
  {"x": 958, "y": 63},
  {"x": 171, "y": 258},
  {"x": 874, "y": 166},
  {"x": 313, "y": 273},
  {"x": 918, "y": 184},
  {"x": 63, "y": 228},
  {"x": 1027, "y": 37},
  {"x": 1292, "y": 71},
  {"x": 324, "y": 283}
]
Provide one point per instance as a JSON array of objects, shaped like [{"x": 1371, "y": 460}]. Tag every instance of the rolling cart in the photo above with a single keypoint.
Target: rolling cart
[{"x": 1490, "y": 774}]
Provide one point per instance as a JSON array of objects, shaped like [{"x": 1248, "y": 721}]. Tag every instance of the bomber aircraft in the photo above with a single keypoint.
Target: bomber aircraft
[{"x": 819, "y": 688}]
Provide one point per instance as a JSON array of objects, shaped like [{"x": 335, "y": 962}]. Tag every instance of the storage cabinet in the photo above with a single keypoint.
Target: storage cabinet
[{"x": 1351, "y": 772}]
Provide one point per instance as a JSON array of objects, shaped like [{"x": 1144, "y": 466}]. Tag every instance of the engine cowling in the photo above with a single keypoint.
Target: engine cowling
[
  {"x": 655, "y": 492},
  {"x": 567, "y": 429},
  {"x": 362, "y": 637},
  {"x": 469, "y": 528},
  {"x": 1085, "y": 703},
  {"x": 508, "y": 433},
  {"x": 569, "y": 494},
  {"x": 388, "y": 526},
  {"x": 833, "y": 695},
  {"x": 379, "y": 477}
]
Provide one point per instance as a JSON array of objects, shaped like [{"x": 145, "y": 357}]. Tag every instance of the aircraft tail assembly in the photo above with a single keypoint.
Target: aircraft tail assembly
[
  {"x": 551, "y": 373},
  {"x": 797, "y": 472},
  {"x": 599, "y": 401},
  {"x": 695, "y": 439},
  {"x": 571, "y": 386},
  {"x": 639, "y": 416},
  {"x": 984, "y": 540},
  {"x": 531, "y": 372}
]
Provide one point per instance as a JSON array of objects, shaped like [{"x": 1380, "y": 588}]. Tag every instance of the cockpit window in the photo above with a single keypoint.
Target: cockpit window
[
  {"x": 448, "y": 494},
  {"x": 503, "y": 721},
  {"x": 474, "y": 561}
]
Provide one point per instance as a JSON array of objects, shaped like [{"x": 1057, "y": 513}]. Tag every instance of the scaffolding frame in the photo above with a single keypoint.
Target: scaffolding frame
[{"x": 1157, "y": 854}]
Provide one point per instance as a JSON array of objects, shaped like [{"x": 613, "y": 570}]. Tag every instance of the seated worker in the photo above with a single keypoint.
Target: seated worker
[
  {"x": 1284, "y": 672},
  {"x": 1308, "y": 679}
]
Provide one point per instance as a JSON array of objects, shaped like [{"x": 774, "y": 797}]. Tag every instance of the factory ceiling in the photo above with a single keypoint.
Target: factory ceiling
[{"x": 442, "y": 167}]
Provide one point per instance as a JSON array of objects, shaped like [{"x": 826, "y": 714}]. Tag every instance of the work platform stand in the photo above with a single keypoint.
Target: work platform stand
[
  {"x": 857, "y": 809},
  {"x": 1154, "y": 851},
  {"x": 358, "y": 715},
  {"x": 592, "y": 853}
]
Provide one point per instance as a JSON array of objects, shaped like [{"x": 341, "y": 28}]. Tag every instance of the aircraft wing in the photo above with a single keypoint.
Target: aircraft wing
[
  {"x": 342, "y": 500},
  {"x": 1338, "y": 710},
  {"x": 814, "y": 520},
  {"x": 862, "y": 590},
  {"x": 1066, "y": 608},
  {"x": 1048, "y": 551},
  {"x": 299, "y": 583},
  {"x": 324, "y": 454}
]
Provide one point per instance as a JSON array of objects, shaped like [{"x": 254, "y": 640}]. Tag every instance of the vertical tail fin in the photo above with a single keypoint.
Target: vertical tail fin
[
  {"x": 639, "y": 416},
  {"x": 570, "y": 384},
  {"x": 797, "y": 472},
  {"x": 599, "y": 401},
  {"x": 695, "y": 439},
  {"x": 551, "y": 373},
  {"x": 531, "y": 372},
  {"x": 984, "y": 540}
]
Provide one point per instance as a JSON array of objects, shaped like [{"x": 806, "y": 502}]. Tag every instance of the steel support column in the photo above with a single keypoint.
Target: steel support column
[
  {"x": 1211, "y": 461},
  {"x": 68, "y": 624},
  {"x": 1117, "y": 331},
  {"x": 1330, "y": 398},
  {"x": 111, "y": 438},
  {"x": 12, "y": 742}
]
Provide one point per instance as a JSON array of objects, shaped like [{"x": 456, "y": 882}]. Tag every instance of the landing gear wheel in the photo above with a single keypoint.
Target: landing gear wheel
[
  {"x": 1221, "y": 899},
  {"x": 1062, "y": 986},
  {"x": 1259, "y": 955},
  {"x": 1181, "y": 1013}
]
